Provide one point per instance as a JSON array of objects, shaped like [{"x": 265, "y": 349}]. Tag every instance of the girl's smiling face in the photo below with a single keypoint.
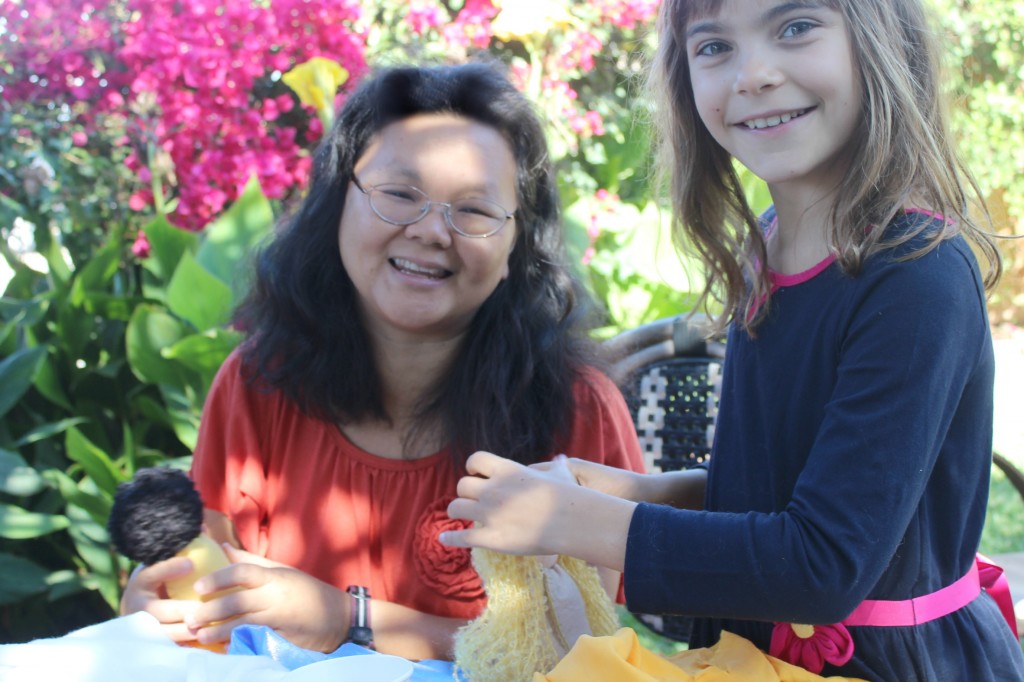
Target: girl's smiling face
[
  {"x": 777, "y": 85},
  {"x": 424, "y": 281}
]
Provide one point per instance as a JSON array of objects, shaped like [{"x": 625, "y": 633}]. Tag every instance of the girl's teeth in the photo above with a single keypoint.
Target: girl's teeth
[{"x": 771, "y": 121}]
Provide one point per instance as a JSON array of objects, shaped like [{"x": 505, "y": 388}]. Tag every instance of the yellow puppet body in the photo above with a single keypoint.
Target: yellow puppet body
[
  {"x": 536, "y": 610},
  {"x": 207, "y": 557}
]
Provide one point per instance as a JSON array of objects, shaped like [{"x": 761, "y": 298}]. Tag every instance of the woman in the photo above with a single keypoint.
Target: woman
[{"x": 417, "y": 308}]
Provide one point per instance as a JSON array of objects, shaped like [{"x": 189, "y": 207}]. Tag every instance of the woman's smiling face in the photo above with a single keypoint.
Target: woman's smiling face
[{"x": 424, "y": 281}]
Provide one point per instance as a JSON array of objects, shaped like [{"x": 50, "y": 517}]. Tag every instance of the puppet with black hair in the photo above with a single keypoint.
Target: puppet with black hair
[{"x": 159, "y": 515}]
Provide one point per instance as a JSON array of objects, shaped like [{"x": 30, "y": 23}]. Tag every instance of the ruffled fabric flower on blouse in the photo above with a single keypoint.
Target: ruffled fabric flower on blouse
[{"x": 448, "y": 570}]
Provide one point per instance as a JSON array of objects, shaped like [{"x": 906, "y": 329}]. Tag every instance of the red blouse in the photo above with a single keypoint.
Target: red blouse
[{"x": 300, "y": 493}]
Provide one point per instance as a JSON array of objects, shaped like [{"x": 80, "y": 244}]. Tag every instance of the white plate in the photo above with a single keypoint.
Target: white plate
[{"x": 361, "y": 668}]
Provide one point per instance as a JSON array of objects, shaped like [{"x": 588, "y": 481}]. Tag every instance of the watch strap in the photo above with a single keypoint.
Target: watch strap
[{"x": 360, "y": 631}]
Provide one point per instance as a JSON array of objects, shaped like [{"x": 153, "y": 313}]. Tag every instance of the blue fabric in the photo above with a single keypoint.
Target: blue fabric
[{"x": 258, "y": 640}]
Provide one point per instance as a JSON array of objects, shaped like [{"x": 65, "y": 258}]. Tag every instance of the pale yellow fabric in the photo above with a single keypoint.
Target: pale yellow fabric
[
  {"x": 621, "y": 658},
  {"x": 536, "y": 610}
]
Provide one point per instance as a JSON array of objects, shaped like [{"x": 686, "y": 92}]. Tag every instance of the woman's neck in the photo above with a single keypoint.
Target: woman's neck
[{"x": 408, "y": 370}]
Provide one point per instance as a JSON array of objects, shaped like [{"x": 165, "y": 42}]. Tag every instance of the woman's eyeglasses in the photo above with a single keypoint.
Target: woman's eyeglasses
[{"x": 404, "y": 205}]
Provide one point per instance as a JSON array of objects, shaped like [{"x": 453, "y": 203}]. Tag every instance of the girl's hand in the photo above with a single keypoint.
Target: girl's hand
[
  {"x": 522, "y": 510},
  {"x": 605, "y": 479},
  {"x": 512, "y": 506},
  {"x": 145, "y": 592},
  {"x": 682, "y": 489},
  {"x": 307, "y": 612}
]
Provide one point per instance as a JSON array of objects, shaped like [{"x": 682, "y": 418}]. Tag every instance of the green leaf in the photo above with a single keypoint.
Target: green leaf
[
  {"x": 97, "y": 273},
  {"x": 206, "y": 352},
  {"x": 75, "y": 325},
  {"x": 18, "y": 524},
  {"x": 110, "y": 306},
  {"x": 152, "y": 410},
  {"x": 19, "y": 579},
  {"x": 96, "y": 463},
  {"x": 54, "y": 255},
  {"x": 93, "y": 544},
  {"x": 49, "y": 430},
  {"x": 95, "y": 503},
  {"x": 228, "y": 242},
  {"x": 62, "y": 584},
  {"x": 16, "y": 374},
  {"x": 197, "y": 296},
  {"x": 47, "y": 382},
  {"x": 27, "y": 312},
  {"x": 150, "y": 330},
  {"x": 167, "y": 245},
  {"x": 18, "y": 478},
  {"x": 184, "y": 414}
]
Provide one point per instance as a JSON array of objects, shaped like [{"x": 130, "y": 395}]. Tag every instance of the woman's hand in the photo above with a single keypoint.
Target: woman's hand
[
  {"x": 145, "y": 592},
  {"x": 522, "y": 510},
  {"x": 307, "y": 612}
]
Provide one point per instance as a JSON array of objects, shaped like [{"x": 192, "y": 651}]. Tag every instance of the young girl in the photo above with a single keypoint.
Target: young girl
[{"x": 851, "y": 464}]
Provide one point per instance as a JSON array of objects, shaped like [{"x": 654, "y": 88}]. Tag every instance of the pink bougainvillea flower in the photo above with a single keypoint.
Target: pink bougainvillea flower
[
  {"x": 423, "y": 15},
  {"x": 811, "y": 646},
  {"x": 588, "y": 255},
  {"x": 141, "y": 247},
  {"x": 472, "y": 25},
  {"x": 138, "y": 201}
]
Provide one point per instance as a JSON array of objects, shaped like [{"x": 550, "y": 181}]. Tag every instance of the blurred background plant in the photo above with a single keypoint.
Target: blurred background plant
[{"x": 149, "y": 144}]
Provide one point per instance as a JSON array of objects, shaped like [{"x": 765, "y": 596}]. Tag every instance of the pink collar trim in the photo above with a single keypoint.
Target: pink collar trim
[{"x": 780, "y": 280}]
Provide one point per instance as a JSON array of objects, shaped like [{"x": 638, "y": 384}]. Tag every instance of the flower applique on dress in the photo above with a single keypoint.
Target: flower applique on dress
[
  {"x": 811, "y": 646},
  {"x": 448, "y": 570}
]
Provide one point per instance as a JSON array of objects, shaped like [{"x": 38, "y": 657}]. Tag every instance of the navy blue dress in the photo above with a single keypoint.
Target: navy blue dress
[{"x": 851, "y": 462}]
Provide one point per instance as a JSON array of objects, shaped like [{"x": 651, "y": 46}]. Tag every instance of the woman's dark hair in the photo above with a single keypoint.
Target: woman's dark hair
[{"x": 510, "y": 387}]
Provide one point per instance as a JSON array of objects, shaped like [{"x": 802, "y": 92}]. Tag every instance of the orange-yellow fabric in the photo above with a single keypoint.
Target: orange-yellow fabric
[
  {"x": 300, "y": 493},
  {"x": 621, "y": 658}
]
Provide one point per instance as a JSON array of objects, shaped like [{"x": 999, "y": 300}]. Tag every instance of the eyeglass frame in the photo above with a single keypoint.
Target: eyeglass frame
[{"x": 446, "y": 205}]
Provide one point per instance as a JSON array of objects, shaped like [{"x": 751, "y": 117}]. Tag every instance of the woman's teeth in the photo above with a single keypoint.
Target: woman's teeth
[{"x": 410, "y": 267}]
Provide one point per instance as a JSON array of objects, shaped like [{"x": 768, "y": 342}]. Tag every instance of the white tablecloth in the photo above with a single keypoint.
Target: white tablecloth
[{"x": 134, "y": 649}]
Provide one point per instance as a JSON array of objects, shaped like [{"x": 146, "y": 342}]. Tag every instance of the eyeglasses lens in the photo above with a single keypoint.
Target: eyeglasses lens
[{"x": 405, "y": 204}]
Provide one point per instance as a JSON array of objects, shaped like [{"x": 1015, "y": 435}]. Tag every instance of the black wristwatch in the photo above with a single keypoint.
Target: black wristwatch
[{"x": 359, "y": 631}]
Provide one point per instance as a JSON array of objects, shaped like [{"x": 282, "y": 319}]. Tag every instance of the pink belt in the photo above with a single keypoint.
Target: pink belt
[{"x": 811, "y": 646}]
